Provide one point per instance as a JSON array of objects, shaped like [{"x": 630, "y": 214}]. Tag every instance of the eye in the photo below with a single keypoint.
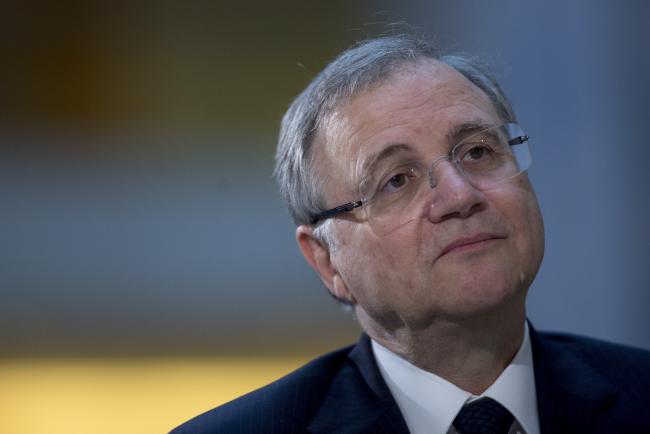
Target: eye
[
  {"x": 398, "y": 181},
  {"x": 477, "y": 152}
]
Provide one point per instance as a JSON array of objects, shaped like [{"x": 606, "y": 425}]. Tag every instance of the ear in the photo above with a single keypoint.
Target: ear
[{"x": 319, "y": 257}]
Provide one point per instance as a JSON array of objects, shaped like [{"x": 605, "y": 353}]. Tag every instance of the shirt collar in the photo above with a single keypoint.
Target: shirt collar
[{"x": 430, "y": 403}]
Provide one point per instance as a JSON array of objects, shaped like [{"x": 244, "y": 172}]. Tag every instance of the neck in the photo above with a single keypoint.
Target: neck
[{"x": 470, "y": 352}]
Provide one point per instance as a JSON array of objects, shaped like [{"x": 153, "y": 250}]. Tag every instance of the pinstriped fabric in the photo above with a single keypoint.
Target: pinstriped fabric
[{"x": 583, "y": 385}]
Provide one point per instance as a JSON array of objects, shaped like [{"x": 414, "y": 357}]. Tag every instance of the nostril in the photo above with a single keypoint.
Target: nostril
[
  {"x": 451, "y": 215},
  {"x": 444, "y": 207},
  {"x": 463, "y": 213},
  {"x": 474, "y": 209}
]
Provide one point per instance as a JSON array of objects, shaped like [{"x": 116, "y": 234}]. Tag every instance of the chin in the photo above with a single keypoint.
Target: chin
[{"x": 481, "y": 297}]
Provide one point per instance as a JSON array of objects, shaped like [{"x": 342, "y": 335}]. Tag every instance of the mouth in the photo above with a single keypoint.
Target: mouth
[{"x": 470, "y": 244}]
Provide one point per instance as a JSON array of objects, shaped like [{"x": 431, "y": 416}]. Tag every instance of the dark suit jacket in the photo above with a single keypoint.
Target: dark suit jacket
[{"x": 583, "y": 386}]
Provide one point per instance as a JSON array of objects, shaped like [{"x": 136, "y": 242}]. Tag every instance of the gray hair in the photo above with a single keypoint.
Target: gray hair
[{"x": 352, "y": 72}]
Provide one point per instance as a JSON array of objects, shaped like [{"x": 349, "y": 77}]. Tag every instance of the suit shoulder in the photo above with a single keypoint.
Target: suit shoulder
[
  {"x": 599, "y": 349},
  {"x": 283, "y": 406},
  {"x": 620, "y": 364}
]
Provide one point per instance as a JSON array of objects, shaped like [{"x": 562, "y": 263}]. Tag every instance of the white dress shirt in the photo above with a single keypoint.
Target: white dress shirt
[{"x": 430, "y": 403}]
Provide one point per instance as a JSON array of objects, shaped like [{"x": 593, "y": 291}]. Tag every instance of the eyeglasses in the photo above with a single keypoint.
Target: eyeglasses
[{"x": 485, "y": 156}]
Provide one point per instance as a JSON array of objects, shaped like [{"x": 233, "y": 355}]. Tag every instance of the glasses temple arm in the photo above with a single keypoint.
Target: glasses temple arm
[
  {"x": 346, "y": 207},
  {"x": 518, "y": 140}
]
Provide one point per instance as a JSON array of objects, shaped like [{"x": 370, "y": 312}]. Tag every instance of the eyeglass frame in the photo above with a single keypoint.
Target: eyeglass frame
[{"x": 351, "y": 206}]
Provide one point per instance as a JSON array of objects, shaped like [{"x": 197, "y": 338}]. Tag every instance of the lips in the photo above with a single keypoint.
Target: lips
[{"x": 467, "y": 243}]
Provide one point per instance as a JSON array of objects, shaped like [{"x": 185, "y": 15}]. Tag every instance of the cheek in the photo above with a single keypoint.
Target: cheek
[
  {"x": 530, "y": 222},
  {"x": 369, "y": 265},
  {"x": 520, "y": 210}
]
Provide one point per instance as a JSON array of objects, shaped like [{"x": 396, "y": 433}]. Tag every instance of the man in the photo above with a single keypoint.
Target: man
[{"x": 405, "y": 174}]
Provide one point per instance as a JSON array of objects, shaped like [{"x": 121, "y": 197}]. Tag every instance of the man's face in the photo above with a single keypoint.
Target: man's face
[{"x": 469, "y": 251}]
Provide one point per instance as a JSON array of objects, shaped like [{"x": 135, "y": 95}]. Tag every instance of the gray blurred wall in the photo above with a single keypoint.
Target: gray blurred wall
[{"x": 139, "y": 212}]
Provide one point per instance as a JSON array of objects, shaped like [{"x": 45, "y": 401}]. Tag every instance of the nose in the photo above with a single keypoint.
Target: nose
[{"x": 454, "y": 196}]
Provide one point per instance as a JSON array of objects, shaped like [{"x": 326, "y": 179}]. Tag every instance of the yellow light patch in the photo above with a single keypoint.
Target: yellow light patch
[{"x": 96, "y": 396}]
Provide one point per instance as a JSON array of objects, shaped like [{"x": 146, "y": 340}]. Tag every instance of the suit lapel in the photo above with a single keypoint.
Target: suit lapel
[
  {"x": 358, "y": 400},
  {"x": 571, "y": 396}
]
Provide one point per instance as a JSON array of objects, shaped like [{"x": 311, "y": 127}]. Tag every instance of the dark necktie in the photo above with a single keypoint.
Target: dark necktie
[{"x": 483, "y": 416}]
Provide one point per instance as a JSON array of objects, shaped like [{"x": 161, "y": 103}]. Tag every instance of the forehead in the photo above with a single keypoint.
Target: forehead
[{"x": 417, "y": 106}]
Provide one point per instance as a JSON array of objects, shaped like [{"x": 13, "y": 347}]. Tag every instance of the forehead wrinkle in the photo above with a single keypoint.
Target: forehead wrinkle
[{"x": 413, "y": 106}]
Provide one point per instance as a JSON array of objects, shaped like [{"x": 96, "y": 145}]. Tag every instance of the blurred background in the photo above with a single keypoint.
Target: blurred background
[{"x": 148, "y": 269}]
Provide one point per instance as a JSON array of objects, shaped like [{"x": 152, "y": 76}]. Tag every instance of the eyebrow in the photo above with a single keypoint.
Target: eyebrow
[
  {"x": 370, "y": 164},
  {"x": 463, "y": 130}
]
